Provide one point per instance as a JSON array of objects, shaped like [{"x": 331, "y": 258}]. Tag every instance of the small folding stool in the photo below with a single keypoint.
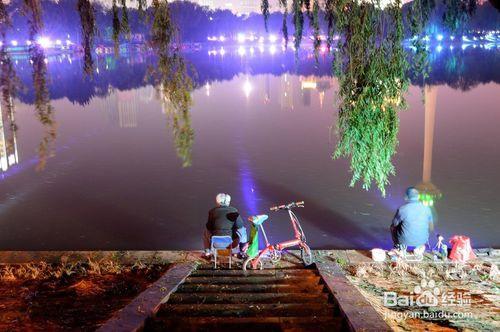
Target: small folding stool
[{"x": 221, "y": 245}]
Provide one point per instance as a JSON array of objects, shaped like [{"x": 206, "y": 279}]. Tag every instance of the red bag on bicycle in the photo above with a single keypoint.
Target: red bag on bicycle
[{"x": 461, "y": 250}]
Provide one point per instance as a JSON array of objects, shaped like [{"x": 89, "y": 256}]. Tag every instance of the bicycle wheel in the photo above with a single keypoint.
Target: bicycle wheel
[
  {"x": 274, "y": 256},
  {"x": 306, "y": 254},
  {"x": 247, "y": 265}
]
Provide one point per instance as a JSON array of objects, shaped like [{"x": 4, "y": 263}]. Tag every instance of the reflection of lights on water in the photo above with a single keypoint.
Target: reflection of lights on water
[
  {"x": 272, "y": 49},
  {"x": 207, "y": 89},
  {"x": 241, "y": 38},
  {"x": 252, "y": 50},
  {"x": 222, "y": 51},
  {"x": 261, "y": 49},
  {"x": 247, "y": 88},
  {"x": 241, "y": 51},
  {"x": 261, "y": 39}
]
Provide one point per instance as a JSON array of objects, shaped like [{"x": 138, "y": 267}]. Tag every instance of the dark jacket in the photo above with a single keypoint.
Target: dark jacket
[
  {"x": 411, "y": 224},
  {"x": 224, "y": 220}
]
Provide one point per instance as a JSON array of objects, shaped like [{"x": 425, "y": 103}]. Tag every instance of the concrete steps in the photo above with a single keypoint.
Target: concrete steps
[{"x": 264, "y": 300}]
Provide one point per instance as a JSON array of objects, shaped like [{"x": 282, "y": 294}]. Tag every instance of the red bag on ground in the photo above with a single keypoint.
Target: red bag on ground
[{"x": 461, "y": 250}]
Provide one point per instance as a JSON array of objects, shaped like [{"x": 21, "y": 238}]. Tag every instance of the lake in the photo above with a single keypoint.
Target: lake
[{"x": 121, "y": 175}]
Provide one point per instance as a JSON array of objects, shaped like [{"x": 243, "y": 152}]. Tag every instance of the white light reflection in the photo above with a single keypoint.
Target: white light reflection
[{"x": 247, "y": 88}]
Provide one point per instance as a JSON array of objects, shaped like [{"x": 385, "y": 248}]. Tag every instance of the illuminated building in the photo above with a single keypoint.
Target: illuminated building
[
  {"x": 428, "y": 191},
  {"x": 8, "y": 141}
]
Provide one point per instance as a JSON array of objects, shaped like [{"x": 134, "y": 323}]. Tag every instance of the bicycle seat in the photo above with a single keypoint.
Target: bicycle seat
[{"x": 258, "y": 219}]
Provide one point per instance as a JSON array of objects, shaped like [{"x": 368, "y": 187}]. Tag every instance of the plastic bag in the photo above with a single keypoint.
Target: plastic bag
[{"x": 461, "y": 250}]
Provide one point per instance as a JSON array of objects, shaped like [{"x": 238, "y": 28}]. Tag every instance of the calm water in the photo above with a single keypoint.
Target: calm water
[{"x": 264, "y": 131}]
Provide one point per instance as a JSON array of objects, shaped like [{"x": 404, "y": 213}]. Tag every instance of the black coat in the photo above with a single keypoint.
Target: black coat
[{"x": 224, "y": 220}]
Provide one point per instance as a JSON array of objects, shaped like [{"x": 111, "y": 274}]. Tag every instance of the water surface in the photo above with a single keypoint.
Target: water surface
[{"x": 264, "y": 132}]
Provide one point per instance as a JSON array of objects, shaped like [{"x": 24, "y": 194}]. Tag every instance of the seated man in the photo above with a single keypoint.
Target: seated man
[
  {"x": 225, "y": 220},
  {"x": 412, "y": 223}
]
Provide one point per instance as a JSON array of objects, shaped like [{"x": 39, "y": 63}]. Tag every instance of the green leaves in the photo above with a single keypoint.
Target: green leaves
[
  {"x": 87, "y": 19},
  {"x": 172, "y": 80},
  {"x": 371, "y": 69}
]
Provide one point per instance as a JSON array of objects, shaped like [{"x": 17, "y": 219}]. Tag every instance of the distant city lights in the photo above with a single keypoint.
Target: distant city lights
[
  {"x": 14, "y": 43},
  {"x": 273, "y": 38},
  {"x": 241, "y": 38},
  {"x": 44, "y": 42}
]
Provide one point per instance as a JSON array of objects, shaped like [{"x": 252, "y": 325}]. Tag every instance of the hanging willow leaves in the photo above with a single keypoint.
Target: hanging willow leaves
[
  {"x": 371, "y": 73},
  {"x": 87, "y": 20},
  {"x": 33, "y": 12},
  {"x": 265, "y": 12},
  {"x": 315, "y": 25},
  {"x": 141, "y": 7},
  {"x": 284, "y": 27},
  {"x": 125, "y": 27},
  {"x": 298, "y": 22},
  {"x": 116, "y": 27},
  {"x": 418, "y": 16},
  {"x": 43, "y": 109},
  {"x": 172, "y": 80}
]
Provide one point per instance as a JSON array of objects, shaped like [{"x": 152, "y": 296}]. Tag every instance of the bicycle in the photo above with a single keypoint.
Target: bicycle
[{"x": 273, "y": 252}]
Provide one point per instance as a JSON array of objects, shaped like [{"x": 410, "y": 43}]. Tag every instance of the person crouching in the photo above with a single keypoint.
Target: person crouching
[{"x": 225, "y": 220}]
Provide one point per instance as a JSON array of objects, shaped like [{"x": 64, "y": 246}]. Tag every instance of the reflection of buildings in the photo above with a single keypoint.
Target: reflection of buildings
[
  {"x": 309, "y": 83},
  {"x": 428, "y": 191},
  {"x": 286, "y": 94},
  {"x": 267, "y": 96},
  {"x": 122, "y": 106},
  {"x": 8, "y": 142},
  {"x": 127, "y": 108}
]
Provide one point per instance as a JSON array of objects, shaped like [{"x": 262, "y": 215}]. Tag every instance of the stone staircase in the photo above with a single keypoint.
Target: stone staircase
[{"x": 292, "y": 299}]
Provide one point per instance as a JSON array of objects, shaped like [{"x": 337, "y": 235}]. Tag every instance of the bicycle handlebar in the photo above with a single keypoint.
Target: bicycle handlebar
[{"x": 288, "y": 206}]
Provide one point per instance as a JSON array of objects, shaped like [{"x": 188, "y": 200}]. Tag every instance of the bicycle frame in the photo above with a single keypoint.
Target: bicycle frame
[{"x": 297, "y": 241}]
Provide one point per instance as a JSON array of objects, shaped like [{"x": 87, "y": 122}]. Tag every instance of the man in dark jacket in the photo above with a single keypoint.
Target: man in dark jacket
[
  {"x": 225, "y": 220},
  {"x": 412, "y": 223}
]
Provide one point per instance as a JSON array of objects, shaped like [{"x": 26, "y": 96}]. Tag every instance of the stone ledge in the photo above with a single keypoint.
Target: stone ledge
[
  {"x": 133, "y": 316},
  {"x": 358, "y": 312}
]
